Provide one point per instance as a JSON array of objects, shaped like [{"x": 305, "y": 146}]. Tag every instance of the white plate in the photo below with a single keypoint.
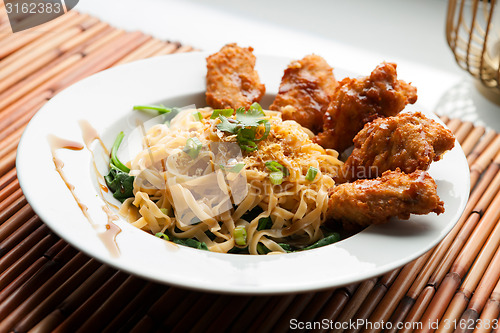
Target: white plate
[{"x": 106, "y": 99}]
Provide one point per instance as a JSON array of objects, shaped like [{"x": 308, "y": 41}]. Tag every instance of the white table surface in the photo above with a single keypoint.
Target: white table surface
[{"x": 354, "y": 35}]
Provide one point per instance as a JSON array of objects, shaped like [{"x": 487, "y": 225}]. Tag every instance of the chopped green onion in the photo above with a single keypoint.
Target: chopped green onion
[
  {"x": 330, "y": 239},
  {"x": 235, "y": 168},
  {"x": 193, "y": 147},
  {"x": 114, "y": 150},
  {"x": 164, "y": 211},
  {"x": 311, "y": 173},
  {"x": 223, "y": 112},
  {"x": 278, "y": 172},
  {"x": 162, "y": 236},
  {"x": 240, "y": 235},
  {"x": 160, "y": 108},
  {"x": 197, "y": 115},
  {"x": 276, "y": 177},
  {"x": 274, "y": 166}
]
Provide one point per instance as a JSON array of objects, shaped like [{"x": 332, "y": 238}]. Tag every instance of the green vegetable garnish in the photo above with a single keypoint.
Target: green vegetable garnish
[
  {"x": 262, "y": 249},
  {"x": 278, "y": 172},
  {"x": 240, "y": 235},
  {"x": 162, "y": 236},
  {"x": 120, "y": 183},
  {"x": 264, "y": 223},
  {"x": 193, "y": 147},
  {"x": 234, "y": 169},
  {"x": 114, "y": 150},
  {"x": 197, "y": 115},
  {"x": 164, "y": 211},
  {"x": 245, "y": 126},
  {"x": 311, "y": 173},
  {"x": 160, "y": 108},
  {"x": 330, "y": 239},
  {"x": 222, "y": 112},
  {"x": 118, "y": 180},
  {"x": 191, "y": 243}
]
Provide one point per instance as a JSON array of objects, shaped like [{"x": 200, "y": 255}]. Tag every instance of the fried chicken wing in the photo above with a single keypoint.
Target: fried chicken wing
[
  {"x": 409, "y": 141},
  {"x": 232, "y": 81},
  {"x": 305, "y": 92},
  {"x": 359, "y": 101},
  {"x": 374, "y": 201}
]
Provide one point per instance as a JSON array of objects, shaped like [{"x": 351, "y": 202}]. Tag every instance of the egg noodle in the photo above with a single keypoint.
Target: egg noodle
[{"x": 208, "y": 195}]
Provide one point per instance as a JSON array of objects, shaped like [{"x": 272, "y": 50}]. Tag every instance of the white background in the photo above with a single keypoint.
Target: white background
[{"x": 354, "y": 35}]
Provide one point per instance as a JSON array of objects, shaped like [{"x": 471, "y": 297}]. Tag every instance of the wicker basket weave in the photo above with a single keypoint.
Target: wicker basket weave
[{"x": 473, "y": 34}]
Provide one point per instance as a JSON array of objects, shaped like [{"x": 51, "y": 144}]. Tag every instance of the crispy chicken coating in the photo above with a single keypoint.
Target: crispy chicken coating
[
  {"x": 305, "y": 92},
  {"x": 359, "y": 101},
  {"x": 409, "y": 141},
  {"x": 232, "y": 81},
  {"x": 374, "y": 201}
]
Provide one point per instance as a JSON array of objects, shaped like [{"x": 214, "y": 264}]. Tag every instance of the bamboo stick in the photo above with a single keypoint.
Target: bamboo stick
[
  {"x": 490, "y": 313},
  {"x": 20, "y": 234},
  {"x": 11, "y": 205},
  {"x": 397, "y": 290},
  {"x": 24, "y": 277},
  {"x": 80, "y": 319},
  {"x": 136, "y": 308},
  {"x": 8, "y": 190},
  {"x": 10, "y": 124},
  {"x": 336, "y": 303},
  {"x": 374, "y": 297},
  {"x": 40, "y": 45},
  {"x": 444, "y": 118},
  {"x": 184, "y": 323},
  {"x": 73, "y": 301},
  {"x": 142, "y": 52},
  {"x": 320, "y": 299},
  {"x": 14, "y": 42},
  {"x": 167, "y": 49},
  {"x": 480, "y": 292},
  {"x": 110, "y": 308},
  {"x": 355, "y": 302},
  {"x": 293, "y": 312},
  {"x": 88, "y": 33},
  {"x": 454, "y": 124},
  {"x": 252, "y": 312},
  {"x": 10, "y": 143},
  {"x": 15, "y": 221},
  {"x": 463, "y": 131},
  {"x": 417, "y": 310},
  {"x": 7, "y": 178},
  {"x": 25, "y": 66},
  {"x": 8, "y": 162},
  {"x": 481, "y": 146},
  {"x": 13, "y": 300},
  {"x": 57, "y": 295},
  {"x": 10, "y": 264},
  {"x": 16, "y": 310},
  {"x": 279, "y": 305},
  {"x": 462, "y": 263},
  {"x": 42, "y": 77},
  {"x": 224, "y": 320},
  {"x": 478, "y": 238},
  {"x": 479, "y": 201},
  {"x": 484, "y": 160},
  {"x": 471, "y": 141},
  {"x": 455, "y": 308}
]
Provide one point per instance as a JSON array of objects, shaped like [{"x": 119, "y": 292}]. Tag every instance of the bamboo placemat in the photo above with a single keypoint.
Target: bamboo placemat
[{"x": 46, "y": 285}]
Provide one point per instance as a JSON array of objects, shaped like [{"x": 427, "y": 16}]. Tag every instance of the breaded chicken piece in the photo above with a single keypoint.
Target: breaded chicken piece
[
  {"x": 359, "y": 101},
  {"x": 232, "y": 81},
  {"x": 305, "y": 92},
  {"x": 374, "y": 201},
  {"x": 409, "y": 141}
]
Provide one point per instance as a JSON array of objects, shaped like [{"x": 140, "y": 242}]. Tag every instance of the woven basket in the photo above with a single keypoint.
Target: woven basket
[{"x": 473, "y": 34}]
